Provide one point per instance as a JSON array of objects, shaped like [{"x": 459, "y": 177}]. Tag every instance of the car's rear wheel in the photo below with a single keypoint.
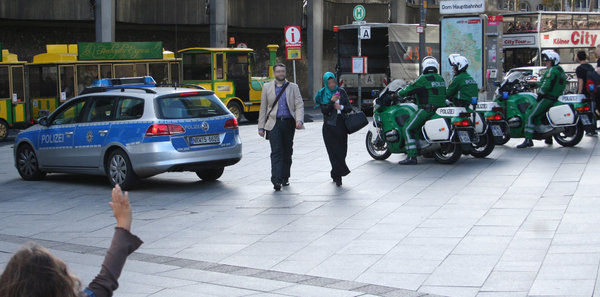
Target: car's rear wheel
[
  {"x": 28, "y": 164},
  {"x": 210, "y": 174},
  {"x": 119, "y": 170},
  {"x": 3, "y": 130}
]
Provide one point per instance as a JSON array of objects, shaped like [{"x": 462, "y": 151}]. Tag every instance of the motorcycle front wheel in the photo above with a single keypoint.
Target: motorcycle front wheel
[
  {"x": 449, "y": 153},
  {"x": 571, "y": 136},
  {"x": 484, "y": 147},
  {"x": 377, "y": 147}
]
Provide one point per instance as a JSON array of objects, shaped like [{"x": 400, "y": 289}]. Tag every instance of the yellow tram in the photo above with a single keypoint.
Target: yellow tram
[
  {"x": 12, "y": 93},
  {"x": 67, "y": 69}
]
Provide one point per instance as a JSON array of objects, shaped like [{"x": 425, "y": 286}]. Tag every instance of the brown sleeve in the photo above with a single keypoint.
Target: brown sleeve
[{"x": 123, "y": 244}]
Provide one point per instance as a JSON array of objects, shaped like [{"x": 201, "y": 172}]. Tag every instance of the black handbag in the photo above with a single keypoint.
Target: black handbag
[{"x": 355, "y": 121}]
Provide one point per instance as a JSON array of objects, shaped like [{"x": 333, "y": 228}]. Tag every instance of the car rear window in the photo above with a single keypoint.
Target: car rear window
[{"x": 192, "y": 106}]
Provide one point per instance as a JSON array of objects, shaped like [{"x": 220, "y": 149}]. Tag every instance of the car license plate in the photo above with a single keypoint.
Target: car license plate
[
  {"x": 496, "y": 130},
  {"x": 367, "y": 101},
  {"x": 205, "y": 139},
  {"x": 585, "y": 119},
  {"x": 464, "y": 136}
]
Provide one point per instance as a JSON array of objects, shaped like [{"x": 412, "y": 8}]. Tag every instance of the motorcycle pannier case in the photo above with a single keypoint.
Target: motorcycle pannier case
[
  {"x": 561, "y": 115},
  {"x": 436, "y": 130}
]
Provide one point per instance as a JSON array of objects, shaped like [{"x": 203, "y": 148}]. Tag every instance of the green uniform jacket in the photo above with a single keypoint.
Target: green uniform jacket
[
  {"x": 553, "y": 83},
  {"x": 463, "y": 87},
  {"x": 429, "y": 89}
]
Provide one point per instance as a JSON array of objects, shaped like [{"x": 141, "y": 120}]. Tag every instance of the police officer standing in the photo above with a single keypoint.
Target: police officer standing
[
  {"x": 551, "y": 86},
  {"x": 430, "y": 92}
]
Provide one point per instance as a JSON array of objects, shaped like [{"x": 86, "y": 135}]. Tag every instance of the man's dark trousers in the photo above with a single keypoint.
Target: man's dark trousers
[{"x": 281, "y": 139}]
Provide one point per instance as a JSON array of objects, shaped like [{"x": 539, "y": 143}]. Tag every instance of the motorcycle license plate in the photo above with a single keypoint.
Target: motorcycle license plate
[
  {"x": 464, "y": 136},
  {"x": 496, "y": 130},
  {"x": 585, "y": 119}
]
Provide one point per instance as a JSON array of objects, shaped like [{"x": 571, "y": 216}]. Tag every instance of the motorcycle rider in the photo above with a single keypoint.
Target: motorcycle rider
[
  {"x": 550, "y": 87},
  {"x": 463, "y": 87},
  {"x": 430, "y": 92}
]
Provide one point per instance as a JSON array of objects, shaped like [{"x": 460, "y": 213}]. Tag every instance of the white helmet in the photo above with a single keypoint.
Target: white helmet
[
  {"x": 552, "y": 56},
  {"x": 459, "y": 61},
  {"x": 430, "y": 62}
]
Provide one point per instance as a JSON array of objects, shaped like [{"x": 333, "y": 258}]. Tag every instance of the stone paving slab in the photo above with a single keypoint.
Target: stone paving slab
[{"x": 518, "y": 223}]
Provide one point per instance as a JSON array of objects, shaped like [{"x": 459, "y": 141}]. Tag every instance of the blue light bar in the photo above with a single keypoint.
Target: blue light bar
[{"x": 141, "y": 82}]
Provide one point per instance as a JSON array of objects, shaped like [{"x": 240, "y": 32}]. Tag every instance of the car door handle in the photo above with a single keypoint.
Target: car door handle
[
  {"x": 103, "y": 131},
  {"x": 69, "y": 133}
]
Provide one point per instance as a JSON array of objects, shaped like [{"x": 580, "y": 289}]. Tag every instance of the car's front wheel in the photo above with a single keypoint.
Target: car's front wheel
[
  {"x": 119, "y": 170},
  {"x": 28, "y": 164},
  {"x": 210, "y": 174}
]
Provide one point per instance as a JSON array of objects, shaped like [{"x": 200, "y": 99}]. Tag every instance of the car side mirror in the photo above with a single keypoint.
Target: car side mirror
[{"x": 44, "y": 121}]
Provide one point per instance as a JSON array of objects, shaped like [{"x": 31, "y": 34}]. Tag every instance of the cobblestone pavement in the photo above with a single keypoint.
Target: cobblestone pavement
[{"x": 519, "y": 223}]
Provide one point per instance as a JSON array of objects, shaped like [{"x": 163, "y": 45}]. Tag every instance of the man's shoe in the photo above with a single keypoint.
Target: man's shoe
[
  {"x": 409, "y": 161},
  {"x": 526, "y": 143},
  {"x": 286, "y": 182},
  {"x": 548, "y": 140},
  {"x": 277, "y": 187}
]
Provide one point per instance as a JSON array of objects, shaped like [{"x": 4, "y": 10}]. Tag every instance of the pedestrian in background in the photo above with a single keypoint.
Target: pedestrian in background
[
  {"x": 582, "y": 71},
  {"x": 281, "y": 112},
  {"x": 34, "y": 271},
  {"x": 334, "y": 104}
]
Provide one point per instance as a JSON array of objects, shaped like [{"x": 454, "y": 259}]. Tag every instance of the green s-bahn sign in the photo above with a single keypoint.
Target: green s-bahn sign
[{"x": 119, "y": 50}]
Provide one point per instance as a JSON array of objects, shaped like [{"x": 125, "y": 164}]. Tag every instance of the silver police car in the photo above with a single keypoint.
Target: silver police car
[{"x": 132, "y": 132}]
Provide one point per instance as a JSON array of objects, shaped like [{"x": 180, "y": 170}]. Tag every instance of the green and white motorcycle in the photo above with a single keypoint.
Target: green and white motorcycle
[{"x": 444, "y": 137}]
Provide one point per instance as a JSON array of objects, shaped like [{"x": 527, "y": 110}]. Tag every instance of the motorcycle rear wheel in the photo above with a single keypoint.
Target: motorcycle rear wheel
[
  {"x": 484, "y": 147},
  {"x": 571, "y": 136},
  {"x": 448, "y": 154}
]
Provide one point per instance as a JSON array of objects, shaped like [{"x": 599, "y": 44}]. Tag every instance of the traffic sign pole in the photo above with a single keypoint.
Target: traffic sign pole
[
  {"x": 293, "y": 41},
  {"x": 359, "y": 14},
  {"x": 294, "y": 65}
]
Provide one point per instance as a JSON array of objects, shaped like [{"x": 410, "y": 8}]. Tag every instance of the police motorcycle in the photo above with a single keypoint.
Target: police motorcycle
[
  {"x": 565, "y": 121},
  {"x": 444, "y": 137}
]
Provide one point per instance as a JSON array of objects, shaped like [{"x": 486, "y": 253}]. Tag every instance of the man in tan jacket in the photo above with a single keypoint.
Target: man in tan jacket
[{"x": 277, "y": 121}]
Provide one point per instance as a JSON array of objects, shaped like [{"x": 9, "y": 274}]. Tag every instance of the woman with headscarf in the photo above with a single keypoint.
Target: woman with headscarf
[{"x": 334, "y": 105}]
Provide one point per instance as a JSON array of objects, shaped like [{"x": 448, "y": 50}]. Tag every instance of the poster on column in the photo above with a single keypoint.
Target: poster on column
[{"x": 464, "y": 36}]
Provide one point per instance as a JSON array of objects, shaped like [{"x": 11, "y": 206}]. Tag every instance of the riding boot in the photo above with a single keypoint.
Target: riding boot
[{"x": 526, "y": 143}]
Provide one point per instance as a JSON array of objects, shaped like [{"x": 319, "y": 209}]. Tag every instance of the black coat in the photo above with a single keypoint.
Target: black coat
[{"x": 330, "y": 113}]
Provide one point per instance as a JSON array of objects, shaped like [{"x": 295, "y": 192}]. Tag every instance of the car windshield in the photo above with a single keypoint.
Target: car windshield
[
  {"x": 182, "y": 106},
  {"x": 524, "y": 72}
]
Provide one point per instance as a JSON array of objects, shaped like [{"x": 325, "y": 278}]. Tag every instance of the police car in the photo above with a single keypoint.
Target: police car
[{"x": 127, "y": 131}]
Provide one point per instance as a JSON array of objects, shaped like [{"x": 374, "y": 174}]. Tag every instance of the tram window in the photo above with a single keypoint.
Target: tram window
[
  {"x": 219, "y": 66},
  {"x": 567, "y": 55},
  {"x": 580, "y": 21},
  {"x": 43, "y": 81},
  {"x": 106, "y": 71},
  {"x": 140, "y": 70},
  {"x": 594, "y": 21},
  {"x": 175, "y": 73},
  {"x": 197, "y": 67},
  {"x": 548, "y": 22},
  {"x": 160, "y": 72},
  {"x": 86, "y": 75},
  {"x": 4, "y": 83},
  {"x": 17, "y": 80},
  {"x": 67, "y": 82},
  {"x": 237, "y": 65},
  {"x": 565, "y": 21},
  {"x": 124, "y": 70}
]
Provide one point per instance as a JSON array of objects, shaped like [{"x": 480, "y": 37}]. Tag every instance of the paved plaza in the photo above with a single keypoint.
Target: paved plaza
[{"x": 519, "y": 223}]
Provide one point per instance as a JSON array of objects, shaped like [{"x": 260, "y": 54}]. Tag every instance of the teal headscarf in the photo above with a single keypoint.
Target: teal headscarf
[{"x": 324, "y": 95}]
